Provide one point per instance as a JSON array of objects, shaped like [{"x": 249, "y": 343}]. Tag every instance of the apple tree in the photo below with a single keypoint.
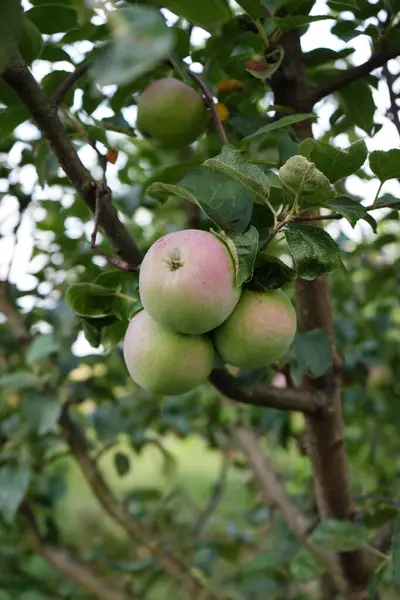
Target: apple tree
[{"x": 274, "y": 125}]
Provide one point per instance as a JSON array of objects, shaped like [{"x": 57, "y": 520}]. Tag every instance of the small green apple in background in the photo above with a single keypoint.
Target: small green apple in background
[
  {"x": 259, "y": 331},
  {"x": 164, "y": 362},
  {"x": 187, "y": 281},
  {"x": 171, "y": 112}
]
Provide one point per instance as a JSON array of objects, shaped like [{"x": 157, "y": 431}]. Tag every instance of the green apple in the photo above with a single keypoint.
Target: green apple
[
  {"x": 171, "y": 112},
  {"x": 164, "y": 362},
  {"x": 187, "y": 281},
  {"x": 259, "y": 331}
]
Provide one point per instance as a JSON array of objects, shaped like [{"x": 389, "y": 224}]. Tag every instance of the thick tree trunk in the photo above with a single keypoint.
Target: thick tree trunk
[{"x": 324, "y": 432}]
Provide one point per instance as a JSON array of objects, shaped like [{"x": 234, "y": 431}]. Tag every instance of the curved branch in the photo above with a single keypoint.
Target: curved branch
[
  {"x": 377, "y": 60},
  {"x": 44, "y": 114},
  {"x": 82, "y": 575},
  {"x": 69, "y": 81},
  {"x": 268, "y": 396}
]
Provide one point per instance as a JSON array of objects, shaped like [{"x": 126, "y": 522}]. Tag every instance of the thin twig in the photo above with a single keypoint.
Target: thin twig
[
  {"x": 69, "y": 81},
  {"x": 211, "y": 104},
  {"x": 394, "y": 109},
  {"x": 118, "y": 263},
  {"x": 103, "y": 194},
  {"x": 215, "y": 496}
]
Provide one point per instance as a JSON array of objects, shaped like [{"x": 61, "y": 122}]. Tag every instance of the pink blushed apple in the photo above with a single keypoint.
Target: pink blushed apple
[
  {"x": 259, "y": 331},
  {"x": 187, "y": 281},
  {"x": 164, "y": 362}
]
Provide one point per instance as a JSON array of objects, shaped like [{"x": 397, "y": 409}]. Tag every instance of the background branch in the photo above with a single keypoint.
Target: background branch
[
  {"x": 187, "y": 577},
  {"x": 274, "y": 492},
  {"x": 96, "y": 586},
  {"x": 377, "y": 60}
]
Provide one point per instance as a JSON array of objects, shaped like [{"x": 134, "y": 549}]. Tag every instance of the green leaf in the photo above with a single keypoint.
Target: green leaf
[
  {"x": 284, "y": 122},
  {"x": 396, "y": 553},
  {"x": 10, "y": 118},
  {"x": 389, "y": 201},
  {"x": 351, "y": 3},
  {"x": 302, "y": 178},
  {"x": 225, "y": 201},
  {"x": 90, "y": 299},
  {"x": 42, "y": 346},
  {"x": 271, "y": 273},
  {"x": 208, "y": 14},
  {"x": 53, "y": 18},
  {"x": 233, "y": 164},
  {"x": 140, "y": 40},
  {"x": 332, "y": 162},
  {"x": 286, "y": 23},
  {"x": 358, "y": 104},
  {"x": 93, "y": 328},
  {"x": 314, "y": 252},
  {"x": 385, "y": 165},
  {"x": 11, "y": 23},
  {"x": 244, "y": 249},
  {"x": 18, "y": 380},
  {"x": 41, "y": 412},
  {"x": 31, "y": 43},
  {"x": 122, "y": 463},
  {"x": 350, "y": 209},
  {"x": 14, "y": 481},
  {"x": 162, "y": 191},
  {"x": 313, "y": 351},
  {"x": 254, "y": 8},
  {"x": 112, "y": 335},
  {"x": 340, "y": 536}
]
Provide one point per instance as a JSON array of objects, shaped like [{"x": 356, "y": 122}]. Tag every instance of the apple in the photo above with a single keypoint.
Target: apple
[
  {"x": 259, "y": 331},
  {"x": 164, "y": 362},
  {"x": 187, "y": 281},
  {"x": 171, "y": 112}
]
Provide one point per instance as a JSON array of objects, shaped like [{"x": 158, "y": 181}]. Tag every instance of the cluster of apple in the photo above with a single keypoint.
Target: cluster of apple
[{"x": 193, "y": 310}]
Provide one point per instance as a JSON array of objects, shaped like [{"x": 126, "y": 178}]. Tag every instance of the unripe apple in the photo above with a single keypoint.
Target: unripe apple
[
  {"x": 259, "y": 331},
  {"x": 171, "y": 112},
  {"x": 187, "y": 281},
  {"x": 164, "y": 362}
]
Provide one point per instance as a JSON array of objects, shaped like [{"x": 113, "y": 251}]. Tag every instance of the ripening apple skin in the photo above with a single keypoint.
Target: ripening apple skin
[
  {"x": 164, "y": 362},
  {"x": 187, "y": 282},
  {"x": 171, "y": 112},
  {"x": 259, "y": 331}
]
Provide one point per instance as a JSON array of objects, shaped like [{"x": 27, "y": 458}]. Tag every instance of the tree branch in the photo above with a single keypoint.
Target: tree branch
[
  {"x": 394, "y": 109},
  {"x": 82, "y": 575},
  {"x": 211, "y": 105},
  {"x": 69, "y": 81},
  {"x": 187, "y": 577},
  {"x": 268, "y": 396},
  {"x": 44, "y": 114},
  {"x": 274, "y": 492},
  {"x": 377, "y": 60}
]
